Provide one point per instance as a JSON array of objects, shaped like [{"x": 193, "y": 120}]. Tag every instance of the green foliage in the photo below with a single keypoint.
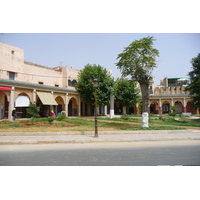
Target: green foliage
[
  {"x": 32, "y": 111},
  {"x": 61, "y": 117},
  {"x": 194, "y": 86},
  {"x": 15, "y": 125},
  {"x": 126, "y": 92},
  {"x": 125, "y": 117},
  {"x": 51, "y": 119},
  {"x": 85, "y": 85},
  {"x": 138, "y": 61}
]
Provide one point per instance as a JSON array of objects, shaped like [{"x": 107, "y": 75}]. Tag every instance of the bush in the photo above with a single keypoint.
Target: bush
[
  {"x": 51, "y": 119},
  {"x": 61, "y": 117}
]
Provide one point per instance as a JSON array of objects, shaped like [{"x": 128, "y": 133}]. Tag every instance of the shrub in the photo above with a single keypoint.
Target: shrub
[
  {"x": 61, "y": 117},
  {"x": 51, "y": 119}
]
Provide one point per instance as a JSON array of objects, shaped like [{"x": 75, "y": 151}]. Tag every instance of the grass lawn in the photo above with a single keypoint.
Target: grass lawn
[{"x": 87, "y": 124}]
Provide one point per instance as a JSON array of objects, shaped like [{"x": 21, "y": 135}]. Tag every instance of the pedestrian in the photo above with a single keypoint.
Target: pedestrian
[{"x": 14, "y": 114}]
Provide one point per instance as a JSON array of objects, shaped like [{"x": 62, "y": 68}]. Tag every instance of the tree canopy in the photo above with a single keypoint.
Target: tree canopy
[
  {"x": 126, "y": 91},
  {"x": 85, "y": 85},
  {"x": 194, "y": 86},
  {"x": 138, "y": 61}
]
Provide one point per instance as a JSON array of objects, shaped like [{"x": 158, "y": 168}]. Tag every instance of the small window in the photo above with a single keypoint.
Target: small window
[
  {"x": 56, "y": 85},
  {"x": 12, "y": 52},
  {"x": 11, "y": 76},
  {"x": 41, "y": 83}
]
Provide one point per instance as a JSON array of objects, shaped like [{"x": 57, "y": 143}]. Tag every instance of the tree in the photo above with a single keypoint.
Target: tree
[
  {"x": 194, "y": 85},
  {"x": 85, "y": 85},
  {"x": 138, "y": 61},
  {"x": 32, "y": 111},
  {"x": 126, "y": 92}
]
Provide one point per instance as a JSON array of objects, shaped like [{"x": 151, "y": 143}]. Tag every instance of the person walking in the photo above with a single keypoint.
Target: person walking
[{"x": 14, "y": 114}]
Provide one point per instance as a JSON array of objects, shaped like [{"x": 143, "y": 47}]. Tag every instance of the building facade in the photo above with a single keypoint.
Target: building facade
[{"x": 52, "y": 89}]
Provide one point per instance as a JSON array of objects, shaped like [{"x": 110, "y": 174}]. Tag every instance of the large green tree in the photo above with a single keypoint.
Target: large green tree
[
  {"x": 85, "y": 85},
  {"x": 126, "y": 92},
  {"x": 138, "y": 61},
  {"x": 194, "y": 86}
]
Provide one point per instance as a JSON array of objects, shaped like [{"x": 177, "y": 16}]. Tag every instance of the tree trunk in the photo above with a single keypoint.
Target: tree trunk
[{"x": 145, "y": 103}]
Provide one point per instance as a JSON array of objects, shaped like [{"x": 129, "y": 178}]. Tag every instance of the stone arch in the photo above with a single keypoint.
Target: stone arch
[
  {"x": 22, "y": 102},
  {"x": 165, "y": 107},
  {"x": 179, "y": 106},
  {"x": 73, "y": 107},
  {"x": 60, "y": 107},
  {"x": 190, "y": 108},
  {"x": 4, "y": 104}
]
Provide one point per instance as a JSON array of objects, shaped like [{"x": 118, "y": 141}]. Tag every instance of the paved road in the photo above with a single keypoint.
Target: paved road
[{"x": 113, "y": 154}]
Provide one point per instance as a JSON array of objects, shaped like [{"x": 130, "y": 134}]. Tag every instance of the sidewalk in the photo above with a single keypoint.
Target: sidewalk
[{"x": 11, "y": 138}]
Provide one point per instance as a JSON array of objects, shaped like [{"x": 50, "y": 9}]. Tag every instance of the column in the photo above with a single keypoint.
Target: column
[
  {"x": 34, "y": 96},
  {"x": 11, "y": 103},
  {"x": 184, "y": 105},
  {"x": 105, "y": 110},
  {"x": 112, "y": 106},
  {"x": 159, "y": 107},
  {"x": 137, "y": 108},
  {"x": 66, "y": 104},
  {"x": 79, "y": 106}
]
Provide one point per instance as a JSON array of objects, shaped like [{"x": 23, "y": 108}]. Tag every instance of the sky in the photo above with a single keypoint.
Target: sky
[{"x": 78, "y": 49}]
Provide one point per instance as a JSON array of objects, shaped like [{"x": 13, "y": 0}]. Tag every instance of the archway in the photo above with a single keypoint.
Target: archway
[
  {"x": 60, "y": 107},
  {"x": 190, "y": 107},
  {"x": 179, "y": 107},
  {"x": 72, "y": 107},
  {"x": 21, "y": 104},
  {"x": 4, "y": 105},
  {"x": 165, "y": 107}
]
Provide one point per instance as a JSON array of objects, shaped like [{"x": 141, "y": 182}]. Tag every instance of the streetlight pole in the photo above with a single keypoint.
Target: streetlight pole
[{"x": 95, "y": 81}]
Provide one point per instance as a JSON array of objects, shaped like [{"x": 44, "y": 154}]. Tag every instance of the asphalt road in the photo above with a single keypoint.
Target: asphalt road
[{"x": 112, "y": 154}]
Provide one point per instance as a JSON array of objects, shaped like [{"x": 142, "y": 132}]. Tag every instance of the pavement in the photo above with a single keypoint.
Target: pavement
[{"x": 80, "y": 137}]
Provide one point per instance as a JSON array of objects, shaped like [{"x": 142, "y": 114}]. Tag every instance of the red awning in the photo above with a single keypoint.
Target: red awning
[{"x": 5, "y": 88}]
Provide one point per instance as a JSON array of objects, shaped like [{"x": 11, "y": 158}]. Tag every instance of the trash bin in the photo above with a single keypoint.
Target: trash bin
[{"x": 180, "y": 115}]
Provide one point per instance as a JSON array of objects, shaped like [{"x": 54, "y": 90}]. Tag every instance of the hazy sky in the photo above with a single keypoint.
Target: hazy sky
[{"x": 77, "y": 49}]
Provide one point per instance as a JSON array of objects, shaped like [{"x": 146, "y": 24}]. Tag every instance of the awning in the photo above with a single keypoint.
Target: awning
[
  {"x": 22, "y": 101},
  {"x": 5, "y": 88},
  {"x": 46, "y": 98}
]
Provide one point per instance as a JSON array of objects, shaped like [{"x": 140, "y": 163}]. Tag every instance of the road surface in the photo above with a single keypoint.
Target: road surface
[{"x": 107, "y": 154}]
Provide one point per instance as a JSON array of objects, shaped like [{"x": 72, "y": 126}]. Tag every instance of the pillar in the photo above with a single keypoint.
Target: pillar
[
  {"x": 34, "y": 96},
  {"x": 112, "y": 114},
  {"x": 11, "y": 103},
  {"x": 105, "y": 110},
  {"x": 137, "y": 108},
  {"x": 184, "y": 105},
  {"x": 159, "y": 107},
  {"x": 79, "y": 106},
  {"x": 66, "y": 104}
]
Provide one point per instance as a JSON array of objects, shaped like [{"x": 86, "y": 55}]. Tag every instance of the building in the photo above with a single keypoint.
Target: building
[{"x": 22, "y": 82}]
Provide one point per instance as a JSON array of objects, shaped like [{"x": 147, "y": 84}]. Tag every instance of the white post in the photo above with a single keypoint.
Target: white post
[
  {"x": 145, "y": 119},
  {"x": 112, "y": 114}
]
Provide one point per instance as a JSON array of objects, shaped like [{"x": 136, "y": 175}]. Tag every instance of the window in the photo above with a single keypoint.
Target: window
[
  {"x": 41, "y": 83},
  {"x": 11, "y": 76},
  {"x": 56, "y": 85},
  {"x": 12, "y": 52}
]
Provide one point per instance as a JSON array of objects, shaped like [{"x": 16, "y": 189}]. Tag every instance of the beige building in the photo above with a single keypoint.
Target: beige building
[{"x": 22, "y": 82}]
